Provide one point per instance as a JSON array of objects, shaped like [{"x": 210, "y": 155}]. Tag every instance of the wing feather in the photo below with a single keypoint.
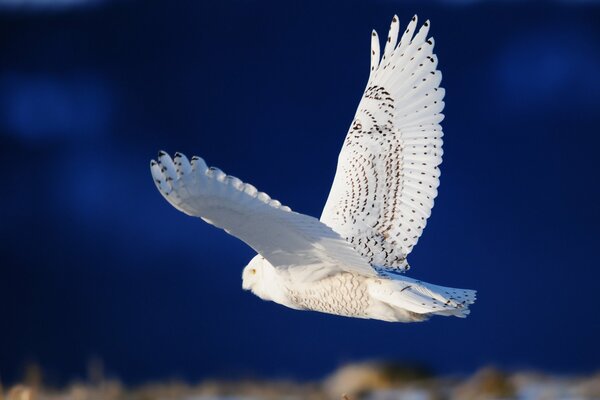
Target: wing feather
[
  {"x": 392, "y": 38},
  {"x": 375, "y": 53},
  {"x": 285, "y": 238},
  {"x": 387, "y": 175}
]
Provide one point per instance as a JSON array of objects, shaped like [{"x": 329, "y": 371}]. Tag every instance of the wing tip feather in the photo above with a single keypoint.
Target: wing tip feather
[{"x": 165, "y": 173}]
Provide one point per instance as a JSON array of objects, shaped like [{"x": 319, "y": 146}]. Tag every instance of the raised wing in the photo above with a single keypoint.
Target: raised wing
[
  {"x": 297, "y": 242},
  {"x": 387, "y": 174}
]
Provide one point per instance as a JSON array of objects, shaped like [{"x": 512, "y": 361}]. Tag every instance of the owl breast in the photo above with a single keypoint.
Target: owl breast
[{"x": 342, "y": 294}]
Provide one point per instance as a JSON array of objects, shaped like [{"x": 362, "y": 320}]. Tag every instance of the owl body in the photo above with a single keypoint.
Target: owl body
[
  {"x": 349, "y": 295},
  {"x": 388, "y": 296},
  {"x": 343, "y": 294}
]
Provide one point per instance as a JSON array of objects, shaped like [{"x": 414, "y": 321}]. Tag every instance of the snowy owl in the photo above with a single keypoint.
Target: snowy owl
[{"x": 352, "y": 261}]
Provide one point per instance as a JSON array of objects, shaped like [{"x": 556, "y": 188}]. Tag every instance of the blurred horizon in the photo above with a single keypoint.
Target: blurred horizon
[
  {"x": 364, "y": 380},
  {"x": 95, "y": 264}
]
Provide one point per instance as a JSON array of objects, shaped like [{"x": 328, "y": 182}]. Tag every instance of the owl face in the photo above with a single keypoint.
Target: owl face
[
  {"x": 257, "y": 277},
  {"x": 252, "y": 273}
]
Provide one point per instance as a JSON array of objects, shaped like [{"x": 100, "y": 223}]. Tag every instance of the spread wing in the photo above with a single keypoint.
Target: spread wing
[
  {"x": 387, "y": 174},
  {"x": 297, "y": 242}
]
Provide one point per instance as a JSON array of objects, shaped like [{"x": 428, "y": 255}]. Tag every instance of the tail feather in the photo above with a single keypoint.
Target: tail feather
[{"x": 425, "y": 298}]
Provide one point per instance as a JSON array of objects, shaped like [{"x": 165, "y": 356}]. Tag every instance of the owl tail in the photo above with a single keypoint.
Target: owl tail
[{"x": 424, "y": 299}]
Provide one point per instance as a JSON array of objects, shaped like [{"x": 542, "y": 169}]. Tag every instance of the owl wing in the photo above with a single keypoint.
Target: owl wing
[
  {"x": 297, "y": 242},
  {"x": 387, "y": 174}
]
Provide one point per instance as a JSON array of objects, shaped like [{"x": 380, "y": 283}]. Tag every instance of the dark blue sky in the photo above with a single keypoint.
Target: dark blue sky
[{"x": 94, "y": 263}]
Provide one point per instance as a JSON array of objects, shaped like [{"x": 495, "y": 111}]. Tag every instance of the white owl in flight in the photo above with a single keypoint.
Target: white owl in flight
[{"x": 351, "y": 261}]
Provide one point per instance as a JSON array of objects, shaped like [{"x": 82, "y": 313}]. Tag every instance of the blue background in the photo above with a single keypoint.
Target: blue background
[{"x": 94, "y": 263}]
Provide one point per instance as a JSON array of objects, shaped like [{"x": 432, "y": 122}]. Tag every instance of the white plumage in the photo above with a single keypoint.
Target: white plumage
[{"x": 351, "y": 261}]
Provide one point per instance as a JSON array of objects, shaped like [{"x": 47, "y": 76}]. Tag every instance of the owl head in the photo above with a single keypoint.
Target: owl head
[{"x": 253, "y": 277}]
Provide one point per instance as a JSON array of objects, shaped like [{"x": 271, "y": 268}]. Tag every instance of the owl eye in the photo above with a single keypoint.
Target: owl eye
[{"x": 253, "y": 271}]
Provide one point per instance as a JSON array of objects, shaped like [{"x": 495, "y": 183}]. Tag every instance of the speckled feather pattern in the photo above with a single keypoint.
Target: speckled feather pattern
[
  {"x": 341, "y": 294},
  {"x": 388, "y": 174}
]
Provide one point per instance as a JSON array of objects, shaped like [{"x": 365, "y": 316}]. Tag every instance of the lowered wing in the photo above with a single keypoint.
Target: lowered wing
[{"x": 299, "y": 243}]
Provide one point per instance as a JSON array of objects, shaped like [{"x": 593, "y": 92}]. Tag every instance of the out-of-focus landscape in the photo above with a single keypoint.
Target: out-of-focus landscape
[{"x": 359, "y": 381}]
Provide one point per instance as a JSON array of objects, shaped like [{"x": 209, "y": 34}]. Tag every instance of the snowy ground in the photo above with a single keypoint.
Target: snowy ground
[{"x": 366, "y": 381}]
